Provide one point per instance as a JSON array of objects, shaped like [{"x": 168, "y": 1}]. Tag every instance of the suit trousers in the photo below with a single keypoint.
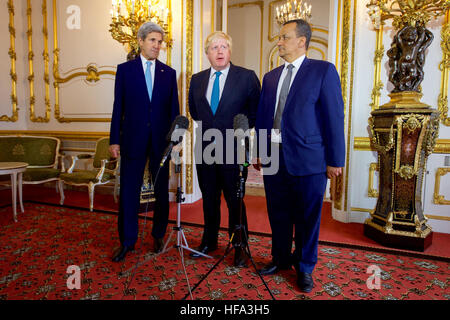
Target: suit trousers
[
  {"x": 131, "y": 178},
  {"x": 213, "y": 179},
  {"x": 294, "y": 203}
]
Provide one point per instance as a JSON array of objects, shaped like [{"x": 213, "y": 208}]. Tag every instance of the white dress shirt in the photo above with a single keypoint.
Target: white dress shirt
[
  {"x": 276, "y": 134},
  {"x": 212, "y": 78},
  {"x": 152, "y": 68}
]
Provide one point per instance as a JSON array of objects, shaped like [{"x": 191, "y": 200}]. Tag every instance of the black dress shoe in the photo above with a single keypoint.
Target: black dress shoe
[
  {"x": 273, "y": 268},
  {"x": 305, "y": 281},
  {"x": 204, "y": 250},
  {"x": 158, "y": 244},
  {"x": 240, "y": 258},
  {"x": 120, "y": 254}
]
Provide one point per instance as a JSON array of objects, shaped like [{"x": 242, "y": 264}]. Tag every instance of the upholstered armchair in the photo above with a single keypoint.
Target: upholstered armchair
[
  {"x": 40, "y": 152},
  {"x": 104, "y": 170}
]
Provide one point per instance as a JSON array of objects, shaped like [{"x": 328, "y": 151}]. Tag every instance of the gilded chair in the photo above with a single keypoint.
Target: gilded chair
[{"x": 104, "y": 170}]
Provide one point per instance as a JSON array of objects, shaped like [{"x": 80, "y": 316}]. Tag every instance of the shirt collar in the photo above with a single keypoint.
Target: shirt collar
[
  {"x": 144, "y": 61},
  {"x": 296, "y": 63},
  {"x": 224, "y": 71}
]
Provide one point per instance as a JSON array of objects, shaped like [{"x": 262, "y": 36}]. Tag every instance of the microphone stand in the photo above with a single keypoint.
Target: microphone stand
[
  {"x": 181, "y": 239},
  {"x": 181, "y": 242},
  {"x": 239, "y": 232}
]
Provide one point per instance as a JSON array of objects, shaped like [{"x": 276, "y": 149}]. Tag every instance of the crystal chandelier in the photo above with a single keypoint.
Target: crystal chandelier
[
  {"x": 128, "y": 15},
  {"x": 292, "y": 10}
]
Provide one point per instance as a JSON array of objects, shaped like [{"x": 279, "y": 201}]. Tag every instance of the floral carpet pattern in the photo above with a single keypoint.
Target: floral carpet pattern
[{"x": 36, "y": 252}]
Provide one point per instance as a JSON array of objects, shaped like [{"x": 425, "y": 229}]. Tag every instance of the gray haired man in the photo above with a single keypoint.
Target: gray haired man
[{"x": 145, "y": 105}]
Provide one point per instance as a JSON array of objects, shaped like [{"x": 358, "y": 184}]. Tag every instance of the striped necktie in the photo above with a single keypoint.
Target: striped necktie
[{"x": 283, "y": 97}]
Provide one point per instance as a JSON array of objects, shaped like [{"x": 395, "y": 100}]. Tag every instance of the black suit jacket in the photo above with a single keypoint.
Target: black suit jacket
[{"x": 240, "y": 95}]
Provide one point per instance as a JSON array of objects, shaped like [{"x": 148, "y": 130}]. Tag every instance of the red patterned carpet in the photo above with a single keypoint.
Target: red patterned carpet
[
  {"x": 36, "y": 252},
  {"x": 331, "y": 231}
]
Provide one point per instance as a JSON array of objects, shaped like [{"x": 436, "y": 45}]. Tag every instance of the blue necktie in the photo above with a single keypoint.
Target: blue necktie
[
  {"x": 215, "y": 93},
  {"x": 148, "y": 79}
]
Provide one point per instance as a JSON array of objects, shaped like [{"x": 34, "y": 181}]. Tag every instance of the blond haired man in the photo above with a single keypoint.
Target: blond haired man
[{"x": 216, "y": 96}]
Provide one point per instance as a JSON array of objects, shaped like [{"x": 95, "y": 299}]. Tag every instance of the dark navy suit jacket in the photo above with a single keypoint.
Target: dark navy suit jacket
[
  {"x": 312, "y": 124},
  {"x": 240, "y": 96},
  {"x": 136, "y": 120}
]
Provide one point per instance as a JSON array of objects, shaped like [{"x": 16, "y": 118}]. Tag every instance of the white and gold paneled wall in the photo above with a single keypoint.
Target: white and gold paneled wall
[
  {"x": 59, "y": 61},
  {"x": 58, "y": 65}
]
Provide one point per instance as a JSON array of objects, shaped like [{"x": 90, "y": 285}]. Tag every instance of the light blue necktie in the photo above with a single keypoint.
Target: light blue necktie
[
  {"x": 148, "y": 79},
  {"x": 215, "y": 93}
]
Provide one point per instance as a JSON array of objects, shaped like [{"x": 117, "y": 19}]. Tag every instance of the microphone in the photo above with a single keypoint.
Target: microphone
[
  {"x": 240, "y": 121},
  {"x": 240, "y": 126},
  {"x": 179, "y": 127}
]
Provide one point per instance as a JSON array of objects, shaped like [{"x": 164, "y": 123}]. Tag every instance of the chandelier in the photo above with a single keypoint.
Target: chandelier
[
  {"x": 293, "y": 10},
  {"x": 127, "y": 16},
  {"x": 406, "y": 12}
]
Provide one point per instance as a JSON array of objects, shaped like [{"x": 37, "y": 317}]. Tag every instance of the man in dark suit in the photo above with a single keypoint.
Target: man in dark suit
[
  {"x": 145, "y": 105},
  {"x": 301, "y": 109},
  {"x": 216, "y": 96}
]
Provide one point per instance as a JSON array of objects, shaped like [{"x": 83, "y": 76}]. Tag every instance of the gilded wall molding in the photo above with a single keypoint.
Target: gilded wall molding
[
  {"x": 259, "y": 4},
  {"x": 377, "y": 83},
  {"x": 270, "y": 36},
  {"x": 338, "y": 34},
  {"x": 318, "y": 50},
  {"x": 341, "y": 186},
  {"x": 433, "y": 217},
  {"x": 189, "y": 71},
  {"x": 91, "y": 75},
  {"x": 437, "y": 197},
  {"x": 444, "y": 67},
  {"x": 350, "y": 103},
  {"x": 45, "y": 55},
  {"x": 12, "y": 54},
  {"x": 170, "y": 34},
  {"x": 213, "y": 14}
]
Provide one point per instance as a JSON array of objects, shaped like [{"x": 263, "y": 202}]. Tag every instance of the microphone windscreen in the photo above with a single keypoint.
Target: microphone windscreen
[
  {"x": 180, "y": 122},
  {"x": 240, "y": 121}
]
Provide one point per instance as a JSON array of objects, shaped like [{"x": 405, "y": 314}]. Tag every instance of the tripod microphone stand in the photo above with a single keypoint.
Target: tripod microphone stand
[
  {"x": 181, "y": 242},
  {"x": 181, "y": 239},
  {"x": 240, "y": 233}
]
